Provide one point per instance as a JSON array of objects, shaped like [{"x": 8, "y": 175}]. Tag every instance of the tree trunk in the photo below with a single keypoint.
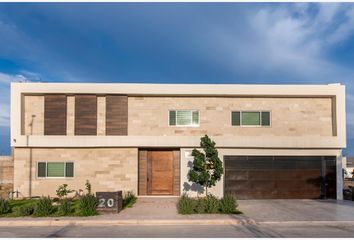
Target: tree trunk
[{"x": 206, "y": 190}]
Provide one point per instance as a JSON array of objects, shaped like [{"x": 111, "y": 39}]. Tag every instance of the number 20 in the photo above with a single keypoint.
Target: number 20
[{"x": 102, "y": 202}]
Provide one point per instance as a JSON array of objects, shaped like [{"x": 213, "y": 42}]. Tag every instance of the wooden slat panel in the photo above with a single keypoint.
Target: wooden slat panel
[
  {"x": 176, "y": 166},
  {"x": 85, "y": 115},
  {"x": 55, "y": 115},
  {"x": 142, "y": 186},
  {"x": 116, "y": 115},
  {"x": 149, "y": 173}
]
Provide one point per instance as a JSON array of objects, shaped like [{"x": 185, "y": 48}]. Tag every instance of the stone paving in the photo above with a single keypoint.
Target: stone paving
[{"x": 297, "y": 210}]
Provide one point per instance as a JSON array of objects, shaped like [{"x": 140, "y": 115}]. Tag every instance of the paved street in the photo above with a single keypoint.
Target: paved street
[{"x": 259, "y": 230}]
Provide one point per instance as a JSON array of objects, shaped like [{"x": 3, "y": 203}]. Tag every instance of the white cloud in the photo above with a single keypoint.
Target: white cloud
[
  {"x": 5, "y": 80},
  {"x": 301, "y": 32},
  {"x": 287, "y": 42},
  {"x": 345, "y": 29}
]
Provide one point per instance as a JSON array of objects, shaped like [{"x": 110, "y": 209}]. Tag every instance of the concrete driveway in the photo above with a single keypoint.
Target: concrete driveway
[{"x": 297, "y": 210}]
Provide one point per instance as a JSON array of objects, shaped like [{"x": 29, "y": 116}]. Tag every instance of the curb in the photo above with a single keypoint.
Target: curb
[
  {"x": 58, "y": 222},
  {"x": 318, "y": 222}
]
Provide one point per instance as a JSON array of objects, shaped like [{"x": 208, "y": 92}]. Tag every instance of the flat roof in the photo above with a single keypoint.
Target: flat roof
[{"x": 181, "y": 89}]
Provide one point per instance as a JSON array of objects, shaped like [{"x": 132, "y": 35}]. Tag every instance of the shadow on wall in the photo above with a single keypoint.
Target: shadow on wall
[{"x": 194, "y": 187}]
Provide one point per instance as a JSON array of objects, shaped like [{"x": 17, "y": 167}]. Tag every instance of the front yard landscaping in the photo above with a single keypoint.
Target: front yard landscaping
[
  {"x": 45, "y": 207},
  {"x": 85, "y": 205},
  {"x": 206, "y": 171},
  {"x": 209, "y": 204}
]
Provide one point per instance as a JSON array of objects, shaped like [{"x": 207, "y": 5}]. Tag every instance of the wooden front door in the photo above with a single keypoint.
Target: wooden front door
[{"x": 160, "y": 173}]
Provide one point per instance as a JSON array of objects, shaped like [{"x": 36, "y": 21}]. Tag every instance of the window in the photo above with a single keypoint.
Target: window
[
  {"x": 55, "y": 169},
  {"x": 184, "y": 118},
  {"x": 250, "y": 118}
]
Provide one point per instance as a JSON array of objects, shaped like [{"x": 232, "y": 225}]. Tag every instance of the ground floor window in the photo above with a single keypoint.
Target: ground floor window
[{"x": 55, "y": 169}]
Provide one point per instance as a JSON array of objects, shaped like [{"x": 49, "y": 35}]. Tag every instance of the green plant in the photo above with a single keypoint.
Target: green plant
[
  {"x": 64, "y": 207},
  {"x": 44, "y": 207},
  {"x": 212, "y": 204},
  {"x": 4, "y": 206},
  {"x": 24, "y": 210},
  {"x": 207, "y": 167},
  {"x": 129, "y": 199},
  {"x": 20, "y": 202},
  {"x": 87, "y": 205},
  {"x": 63, "y": 191},
  {"x": 228, "y": 204},
  {"x": 185, "y": 204},
  {"x": 88, "y": 186},
  {"x": 200, "y": 205}
]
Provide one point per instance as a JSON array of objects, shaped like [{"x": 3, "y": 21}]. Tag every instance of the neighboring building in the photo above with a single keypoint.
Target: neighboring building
[
  {"x": 348, "y": 165},
  {"x": 276, "y": 141},
  {"x": 6, "y": 176}
]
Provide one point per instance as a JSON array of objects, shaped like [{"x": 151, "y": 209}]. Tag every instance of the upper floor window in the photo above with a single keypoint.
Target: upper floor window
[
  {"x": 250, "y": 118},
  {"x": 55, "y": 169},
  {"x": 184, "y": 118}
]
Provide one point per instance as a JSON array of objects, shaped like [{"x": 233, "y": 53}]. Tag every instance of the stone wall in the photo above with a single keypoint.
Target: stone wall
[
  {"x": 33, "y": 115},
  {"x": 108, "y": 169},
  {"x": 149, "y": 116},
  {"x": 6, "y": 175},
  {"x": 289, "y": 116}
]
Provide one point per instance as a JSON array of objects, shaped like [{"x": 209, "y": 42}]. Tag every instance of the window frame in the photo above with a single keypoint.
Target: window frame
[
  {"x": 192, "y": 110},
  {"x": 46, "y": 169},
  {"x": 252, "y": 126}
]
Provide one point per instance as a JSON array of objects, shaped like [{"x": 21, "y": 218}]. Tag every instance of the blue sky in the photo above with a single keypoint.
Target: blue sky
[{"x": 274, "y": 43}]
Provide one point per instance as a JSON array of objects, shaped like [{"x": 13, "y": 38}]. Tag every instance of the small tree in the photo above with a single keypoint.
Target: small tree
[
  {"x": 63, "y": 191},
  {"x": 207, "y": 167},
  {"x": 88, "y": 187}
]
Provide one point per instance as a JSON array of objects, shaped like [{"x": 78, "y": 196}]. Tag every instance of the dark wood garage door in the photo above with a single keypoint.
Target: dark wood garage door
[{"x": 280, "y": 177}]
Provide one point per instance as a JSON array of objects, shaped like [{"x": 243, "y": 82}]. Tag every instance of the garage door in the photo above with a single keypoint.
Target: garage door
[{"x": 280, "y": 177}]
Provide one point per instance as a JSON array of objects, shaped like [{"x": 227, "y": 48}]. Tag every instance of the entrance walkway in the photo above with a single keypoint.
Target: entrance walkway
[{"x": 152, "y": 208}]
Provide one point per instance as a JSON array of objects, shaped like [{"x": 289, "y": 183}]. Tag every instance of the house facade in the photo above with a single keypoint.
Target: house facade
[{"x": 275, "y": 141}]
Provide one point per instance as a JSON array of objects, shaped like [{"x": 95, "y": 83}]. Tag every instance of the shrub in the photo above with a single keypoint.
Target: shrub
[
  {"x": 212, "y": 204},
  {"x": 87, "y": 205},
  {"x": 64, "y": 207},
  {"x": 228, "y": 204},
  {"x": 24, "y": 210},
  {"x": 129, "y": 199},
  {"x": 44, "y": 207},
  {"x": 200, "y": 205},
  {"x": 63, "y": 191},
  {"x": 185, "y": 204},
  {"x": 4, "y": 206}
]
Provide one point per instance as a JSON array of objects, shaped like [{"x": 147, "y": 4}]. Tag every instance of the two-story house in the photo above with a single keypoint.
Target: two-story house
[{"x": 275, "y": 141}]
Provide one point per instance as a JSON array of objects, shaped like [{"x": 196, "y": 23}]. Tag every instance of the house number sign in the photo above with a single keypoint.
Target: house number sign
[{"x": 109, "y": 201}]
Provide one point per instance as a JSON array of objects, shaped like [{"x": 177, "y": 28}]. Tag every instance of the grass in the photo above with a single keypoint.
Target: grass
[{"x": 129, "y": 200}]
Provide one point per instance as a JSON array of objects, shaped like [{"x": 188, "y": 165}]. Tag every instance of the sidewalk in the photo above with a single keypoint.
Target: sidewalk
[
  {"x": 163, "y": 211},
  {"x": 147, "y": 211}
]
